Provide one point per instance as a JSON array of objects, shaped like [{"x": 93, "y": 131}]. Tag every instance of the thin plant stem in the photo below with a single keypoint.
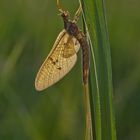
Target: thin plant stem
[{"x": 88, "y": 131}]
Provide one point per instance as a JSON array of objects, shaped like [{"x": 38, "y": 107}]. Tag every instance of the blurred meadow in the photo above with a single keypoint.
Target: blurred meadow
[{"x": 28, "y": 29}]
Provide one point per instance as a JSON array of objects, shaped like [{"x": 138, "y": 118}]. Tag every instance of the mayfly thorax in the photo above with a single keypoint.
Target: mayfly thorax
[{"x": 63, "y": 55}]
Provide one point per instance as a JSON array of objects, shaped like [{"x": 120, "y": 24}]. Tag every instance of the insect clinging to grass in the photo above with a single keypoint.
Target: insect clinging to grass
[
  {"x": 63, "y": 55},
  {"x": 62, "y": 58}
]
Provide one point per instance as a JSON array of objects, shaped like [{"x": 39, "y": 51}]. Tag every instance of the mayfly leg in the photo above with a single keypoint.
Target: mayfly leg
[
  {"x": 60, "y": 7},
  {"x": 77, "y": 14}
]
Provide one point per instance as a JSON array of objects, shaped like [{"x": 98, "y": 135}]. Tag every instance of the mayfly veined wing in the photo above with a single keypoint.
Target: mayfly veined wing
[{"x": 63, "y": 55}]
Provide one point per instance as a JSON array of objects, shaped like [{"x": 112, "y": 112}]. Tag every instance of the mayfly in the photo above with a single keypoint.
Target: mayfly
[{"x": 63, "y": 55}]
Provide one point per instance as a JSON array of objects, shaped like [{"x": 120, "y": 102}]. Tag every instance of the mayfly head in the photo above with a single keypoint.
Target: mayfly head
[
  {"x": 65, "y": 15},
  {"x": 69, "y": 25}
]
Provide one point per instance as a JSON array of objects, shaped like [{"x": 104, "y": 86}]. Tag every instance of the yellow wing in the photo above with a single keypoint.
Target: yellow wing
[{"x": 59, "y": 62}]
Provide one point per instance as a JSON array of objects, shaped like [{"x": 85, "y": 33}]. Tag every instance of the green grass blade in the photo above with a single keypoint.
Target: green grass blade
[{"x": 100, "y": 83}]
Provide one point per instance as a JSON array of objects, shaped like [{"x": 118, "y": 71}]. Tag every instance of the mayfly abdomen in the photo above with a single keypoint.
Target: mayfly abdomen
[{"x": 85, "y": 55}]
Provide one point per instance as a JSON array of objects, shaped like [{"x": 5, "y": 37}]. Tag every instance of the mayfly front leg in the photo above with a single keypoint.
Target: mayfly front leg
[
  {"x": 59, "y": 7},
  {"x": 77, "y": 14}
]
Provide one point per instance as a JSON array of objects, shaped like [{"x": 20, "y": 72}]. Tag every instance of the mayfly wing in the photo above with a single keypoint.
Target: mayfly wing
[{"x": 59, "y": 62}]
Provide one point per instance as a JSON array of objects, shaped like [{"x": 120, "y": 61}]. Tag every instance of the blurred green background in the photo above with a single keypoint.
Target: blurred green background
[{"x": 28, "y": 29}]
